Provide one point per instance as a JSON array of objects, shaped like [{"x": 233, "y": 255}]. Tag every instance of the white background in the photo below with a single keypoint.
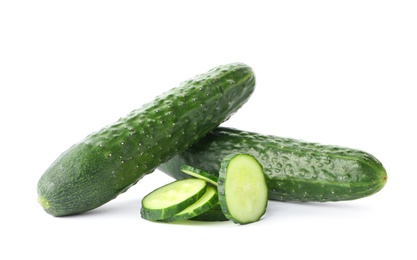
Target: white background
[{"x": 334, "y": 72}]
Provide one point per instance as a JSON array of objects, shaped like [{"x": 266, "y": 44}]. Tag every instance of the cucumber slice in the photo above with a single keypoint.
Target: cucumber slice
[
  {"x": 172, "y": 198},
  {"x": 206, "y": 202},
  {"x": 243, "y": 194},
  {"x": 213, "y": 214},
  {"x": 200, "y": 174}
]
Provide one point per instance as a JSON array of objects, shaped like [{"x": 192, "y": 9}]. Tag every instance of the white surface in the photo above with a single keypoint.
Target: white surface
[{"x": 335, "y": 72}]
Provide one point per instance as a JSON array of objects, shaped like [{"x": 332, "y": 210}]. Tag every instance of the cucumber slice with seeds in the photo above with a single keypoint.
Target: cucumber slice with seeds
[
  {"x": 243, "y": 194},
  {"x": 200, "y": 174},
  {"x": 172, "y": 198},
  {"x": 206, "y": 202}
]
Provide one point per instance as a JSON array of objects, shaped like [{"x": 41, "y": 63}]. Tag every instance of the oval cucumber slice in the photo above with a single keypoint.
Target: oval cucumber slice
[
  {"x": 206, "y": 202},
  {"x": 172, "y": 198},
  {"x": 200, "y": 174},
  {"x": 243, "y": 194}
]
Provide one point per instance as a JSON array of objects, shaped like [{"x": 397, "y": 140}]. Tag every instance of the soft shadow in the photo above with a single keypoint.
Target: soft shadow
[
  {"x": 129, "y": 209},
  {"x": 294, "y": 209},
  {"x": 113, "y": 209}
]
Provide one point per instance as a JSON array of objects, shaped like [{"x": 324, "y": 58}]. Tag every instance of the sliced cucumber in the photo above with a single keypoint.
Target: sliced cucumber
[
  {"x": 200, "y": 174},
  {"x": 206, "y": 202},
  {"x": 213, "y": 214},
  {"x": 243, "y": 194},
  {"x": 172, "y": 198}
]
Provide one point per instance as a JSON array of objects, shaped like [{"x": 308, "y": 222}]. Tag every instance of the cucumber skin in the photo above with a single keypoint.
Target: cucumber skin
[
  {"x": 294, "y": 170},
  {"x": 109, "y": 161}
]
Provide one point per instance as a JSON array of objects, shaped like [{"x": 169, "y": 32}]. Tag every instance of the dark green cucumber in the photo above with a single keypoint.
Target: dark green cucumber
[
  {"x": 295, "y": 170},
  {"x": 172, "y": 198},
  {"x": 204, "y": 203},
  {"x": 198, "y": 173},
  {"x": 106, "y": 163},
  {"x": 243, "y": 194}
]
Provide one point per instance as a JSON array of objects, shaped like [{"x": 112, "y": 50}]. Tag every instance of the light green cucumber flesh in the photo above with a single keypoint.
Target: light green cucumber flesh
[
  {"x": 243, "y": 194},
  {"x": 206, "y": 202},
  {"x": 172, "y": 198},
  {"x": 108, "y": 162},
  {"x": 198, "y": 173},
  {"x": 295, "y": 170}
]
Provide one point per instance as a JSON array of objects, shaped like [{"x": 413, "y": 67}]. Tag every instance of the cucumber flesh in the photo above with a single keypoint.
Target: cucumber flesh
[
  {"x": 206, "y": 202},
  {"x": 198, "y": 173},
  {"x": 172, "y": 198},
  {"x": 243, "y": 194}
]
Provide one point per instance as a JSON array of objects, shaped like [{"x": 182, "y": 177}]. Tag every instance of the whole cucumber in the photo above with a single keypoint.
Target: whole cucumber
[
  {"x": 295, "y": 170},
  {"x": 106, "y": 163}
]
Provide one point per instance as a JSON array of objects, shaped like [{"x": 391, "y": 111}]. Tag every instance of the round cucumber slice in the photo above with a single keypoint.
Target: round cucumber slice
[
  {"x": 200, "y": 174},
  {"x": 172, "y": 198},
  {"x": 243, "y": 194},
  {"x": 206, "y": 202}
]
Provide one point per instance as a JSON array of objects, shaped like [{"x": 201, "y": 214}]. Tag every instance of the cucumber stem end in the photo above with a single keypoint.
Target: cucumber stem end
[{"x": 44, "y": 202}]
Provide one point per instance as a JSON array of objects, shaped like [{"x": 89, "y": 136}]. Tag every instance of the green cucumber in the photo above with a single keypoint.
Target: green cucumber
[
  {"x": 243, "y": 194},
  {"x": 295, "y": 170},
  {"x": 172, "y": 198},
  {"x": 205, "y": 203},
  {"x": 198, "y": 173},
  {"x": 106, "y": 163}
]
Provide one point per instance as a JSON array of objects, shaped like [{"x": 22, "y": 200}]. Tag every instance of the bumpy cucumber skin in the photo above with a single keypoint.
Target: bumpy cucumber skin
[
  {"x": 108, "y": 162},
  {"x": 295, "y": 170}
]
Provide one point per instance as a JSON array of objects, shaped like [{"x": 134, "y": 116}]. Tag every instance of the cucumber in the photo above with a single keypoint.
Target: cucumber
[
  {"x": 295, "y": 170},
  {"x": 205, "y": 203},
  {"x": 172, "y": 198},
  {"x": 198, "y": 173},
  {"x": 243, "y": 194},
  {"x": 106, "y": 163}
]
